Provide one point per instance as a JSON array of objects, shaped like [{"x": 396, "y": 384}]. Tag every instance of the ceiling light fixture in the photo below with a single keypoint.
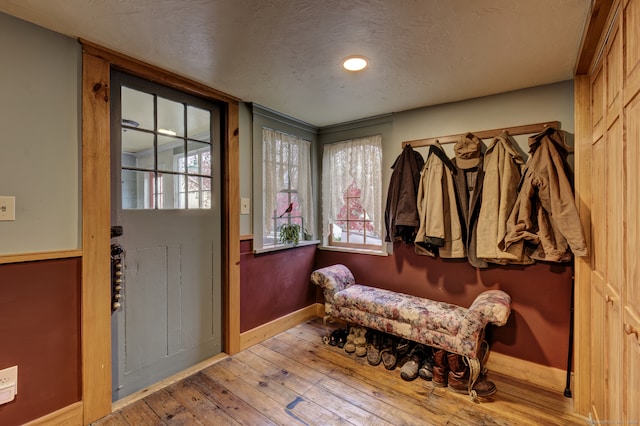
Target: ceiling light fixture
[
  {"x": 355, "y": 63},
  {"x": 167, "y": 132},
  {"x": 131, "y": 123}
]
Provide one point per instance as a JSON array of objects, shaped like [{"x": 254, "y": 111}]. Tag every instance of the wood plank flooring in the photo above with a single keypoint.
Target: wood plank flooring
[{"x": 295, "y": 379}]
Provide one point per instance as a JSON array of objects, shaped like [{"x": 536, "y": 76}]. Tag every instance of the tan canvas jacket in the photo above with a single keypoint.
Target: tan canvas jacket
[
  {"x": 545, "y": 214},
  {"x": 502, "y": 174},
  {"x": 439, "y": 232}
]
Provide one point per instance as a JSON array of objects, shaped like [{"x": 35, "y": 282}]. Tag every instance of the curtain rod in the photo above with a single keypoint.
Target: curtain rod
[{"x": 485, "y": 134}]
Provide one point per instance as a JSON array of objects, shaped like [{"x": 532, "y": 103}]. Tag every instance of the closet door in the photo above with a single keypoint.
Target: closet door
[
  {"x": 631, "y": 292},
  {"x": 615, "y": 215},
  {"x": 615, "y": 220},
  {"x": 599, "y": 243}
]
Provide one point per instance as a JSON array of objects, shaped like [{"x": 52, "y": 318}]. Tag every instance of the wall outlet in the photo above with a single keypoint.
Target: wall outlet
[
  {"x": 7, "y": 208},
  {"x": 8, "y": 383}
]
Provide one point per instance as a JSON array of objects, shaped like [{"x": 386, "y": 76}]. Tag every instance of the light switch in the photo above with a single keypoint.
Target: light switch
[
  {"x": 7, "y": 208},
  {"x": 244, "y": 206}
]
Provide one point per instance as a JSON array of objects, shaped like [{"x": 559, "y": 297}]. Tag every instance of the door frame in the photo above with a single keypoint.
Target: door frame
[{"x": 96, "y": 312}]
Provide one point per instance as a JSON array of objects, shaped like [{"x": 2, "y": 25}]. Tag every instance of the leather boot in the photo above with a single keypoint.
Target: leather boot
[
  {"x": 459, "y": 378},
  {"x": 440, "y": 368}
]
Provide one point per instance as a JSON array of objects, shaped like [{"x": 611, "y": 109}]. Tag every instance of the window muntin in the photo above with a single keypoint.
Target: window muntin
[
  {"x": 286, "y": 185},
  {"x": 352, "y": 193},
  {"x": 166, "y": 153}
]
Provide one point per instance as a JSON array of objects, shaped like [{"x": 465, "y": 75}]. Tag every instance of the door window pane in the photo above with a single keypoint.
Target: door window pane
[
  {"x": 170, "y": 117},
  {"x": 137, "y": 109},
  {"x": 170, "y": 149},
  {"x": 198, "y": 124},
  {"x": 138, "y": 146},
  {"x": 139, "y": 189}
]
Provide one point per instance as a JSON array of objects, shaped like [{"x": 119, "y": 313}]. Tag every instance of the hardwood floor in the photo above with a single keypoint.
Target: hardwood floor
[{"x": 293, "y": 378}]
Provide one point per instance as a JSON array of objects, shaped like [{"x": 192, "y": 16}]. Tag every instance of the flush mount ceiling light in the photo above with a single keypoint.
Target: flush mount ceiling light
[
  {"x": 167, "y": 132},
  {"x": 355, "y": 63},
  {"x": 131, "y": 123}
]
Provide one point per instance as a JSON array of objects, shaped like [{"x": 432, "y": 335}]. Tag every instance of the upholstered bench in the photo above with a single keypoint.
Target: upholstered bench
[{"x": 437, "y": 324}]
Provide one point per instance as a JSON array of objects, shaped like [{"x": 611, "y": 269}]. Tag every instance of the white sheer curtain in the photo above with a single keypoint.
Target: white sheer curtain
[
  {"x": 355, "y": 161},
  {"x": 287, "y": 167}
]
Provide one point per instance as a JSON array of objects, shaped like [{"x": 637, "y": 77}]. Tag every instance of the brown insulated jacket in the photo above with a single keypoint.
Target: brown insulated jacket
[
  {"x": 401, "y": 214},
  {"x": 545, "y": 214}
]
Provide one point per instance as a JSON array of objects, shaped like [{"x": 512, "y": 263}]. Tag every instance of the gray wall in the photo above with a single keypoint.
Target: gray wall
[
  {"x": 552, "y": 102},
  {"x": 245, "y": 166},
  {"x": 40, "y": 80}
]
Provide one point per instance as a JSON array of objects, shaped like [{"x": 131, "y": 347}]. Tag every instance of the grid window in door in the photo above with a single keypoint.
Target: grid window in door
[{"x": 166, "y": 153}]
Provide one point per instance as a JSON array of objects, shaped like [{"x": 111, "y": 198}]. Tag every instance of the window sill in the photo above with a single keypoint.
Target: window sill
[
  {"x": 354, "y": 250},
  {"x": 286, "y": 246}
]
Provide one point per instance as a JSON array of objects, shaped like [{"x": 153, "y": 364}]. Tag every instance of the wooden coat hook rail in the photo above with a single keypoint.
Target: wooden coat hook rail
[{"x": 485, "y": 134}]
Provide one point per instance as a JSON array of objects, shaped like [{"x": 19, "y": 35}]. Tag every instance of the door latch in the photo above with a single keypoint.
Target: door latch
[{"x": 117, "y": 276}]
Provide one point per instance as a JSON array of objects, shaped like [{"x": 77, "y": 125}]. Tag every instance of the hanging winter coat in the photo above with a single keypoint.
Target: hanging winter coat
[
  {"x": 502, "y": 173},
  {"x": 469, "y": 207},
  {"x": 545, "y": 214},
  {"x": 439, "y": 232},
  {"x": 401, "y": 213}
]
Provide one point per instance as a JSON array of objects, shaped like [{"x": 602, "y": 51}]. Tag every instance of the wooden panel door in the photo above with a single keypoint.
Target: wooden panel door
[
  {"x": 615, "y": 209},
  {"x": 599, "y": 243},
  {"x": 615, "y": 220},
  {"x": 631, "y": 292}
]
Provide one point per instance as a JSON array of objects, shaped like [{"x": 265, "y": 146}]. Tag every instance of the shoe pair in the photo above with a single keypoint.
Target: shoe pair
[
  {"x": 394, "y": 349},
  {"x": 426, "y": 368},
  {"x": 337, "y": 338},
  {"x": 374, "y": 356},
  {"x": 419, "y": 363},
  {"x": 356, "y": 341}
]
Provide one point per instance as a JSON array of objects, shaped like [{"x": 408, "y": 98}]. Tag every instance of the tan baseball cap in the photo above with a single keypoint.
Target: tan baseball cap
[{"x": 467, "y": 151}]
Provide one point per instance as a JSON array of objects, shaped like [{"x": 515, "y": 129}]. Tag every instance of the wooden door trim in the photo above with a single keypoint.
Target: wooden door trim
[
  {"x": 96, "y": 313},
  {"x": 95, "y": 287},
  {"x": 582, "y": 282},
  {"x": 592, "y": 36}
]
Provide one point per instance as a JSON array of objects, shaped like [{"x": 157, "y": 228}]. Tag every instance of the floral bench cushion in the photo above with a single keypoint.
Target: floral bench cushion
[{"x": 436, "y": 316}]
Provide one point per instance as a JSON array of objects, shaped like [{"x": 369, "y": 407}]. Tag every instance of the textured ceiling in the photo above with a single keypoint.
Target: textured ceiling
[{"x": 286, "y": 54}]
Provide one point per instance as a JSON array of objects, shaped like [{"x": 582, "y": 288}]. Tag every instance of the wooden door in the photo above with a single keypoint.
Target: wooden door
[
  {"x": 599, "y": 243},
  {"x": 614, "y": 204},
  {"x": 631, "y": 291},
  {"x": 615, "y": 209},
  {"x": 166, "y": 194}
]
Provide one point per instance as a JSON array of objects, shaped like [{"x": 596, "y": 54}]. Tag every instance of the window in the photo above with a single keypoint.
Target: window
[
  {"x": 286, "y": 185},
  {"x": 352, "y": 193},
  {"x": 166, "y": 153}
]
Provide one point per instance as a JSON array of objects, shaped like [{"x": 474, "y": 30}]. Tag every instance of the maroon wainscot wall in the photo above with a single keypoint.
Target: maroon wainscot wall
[
  {"x": 40, "y": 333},
  {"x": 274, "y": 284}
]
